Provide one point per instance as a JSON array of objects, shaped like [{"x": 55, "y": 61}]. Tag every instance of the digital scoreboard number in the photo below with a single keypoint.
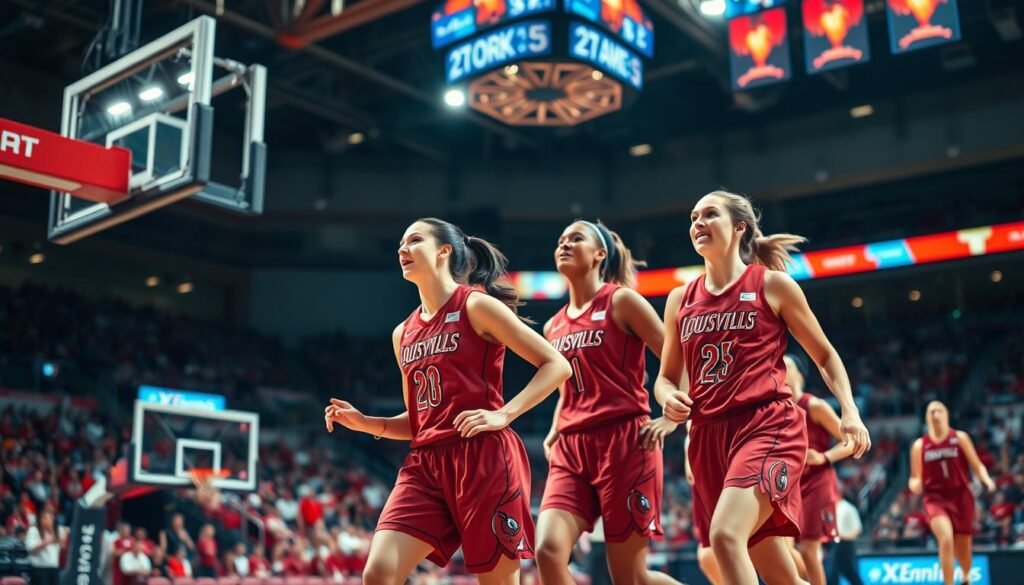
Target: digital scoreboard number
[
  {"x": 455, "y": 20},
  {"x": 586, "y": 43},
  {"x": 523, "y": 40}
]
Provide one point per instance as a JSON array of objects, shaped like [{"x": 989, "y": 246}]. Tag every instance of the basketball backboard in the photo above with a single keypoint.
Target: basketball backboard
[
  {"x": 170, "y": 441},
  {"x": 156, "y": 102}
]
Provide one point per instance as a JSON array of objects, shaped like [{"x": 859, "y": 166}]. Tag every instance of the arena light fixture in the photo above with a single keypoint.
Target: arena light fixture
[
  {"x": 356, "y": 138},
  {"x": 914, "y": 295},
  {"x": 152, "y": 281},
  {"x": 185, "y": 288},
  {"x": 119, "y": 108},
  {"x": 186, "y": 78},
  {"x": 996, "y": 276},
  {"x": 455, "y": 98},
  {"x": 37, "y": 258},
  {"x": 857, "y": 302},
  {"x": 712, "y": 7},
  {"x": 862, "y": 111},
  {"x": 640, "y": 150},
  {"x": 151, "y": 93}
]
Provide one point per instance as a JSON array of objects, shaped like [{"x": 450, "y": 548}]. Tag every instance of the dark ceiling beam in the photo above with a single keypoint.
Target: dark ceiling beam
[
  {"x": 327, "y": 56},
  {"x": 355, "y": 15}
]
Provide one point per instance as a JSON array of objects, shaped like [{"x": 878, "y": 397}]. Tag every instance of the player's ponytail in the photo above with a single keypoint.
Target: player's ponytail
[
  {"x": 489, "y": 269},
  {"x": 477, "y": 262},
  {"x": 618, "y": 267},
  {"x": 755, "y": 247}
]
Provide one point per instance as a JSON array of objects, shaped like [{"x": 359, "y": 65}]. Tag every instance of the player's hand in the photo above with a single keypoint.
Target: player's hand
[
  {"x": 815, "y": 457},
  {"x": 549, "y": 443},
  {"x": 471, "y": 423},
  {"x": 989, "y": 485},
  {"x": 653, "y": 433},
  {"x": 677, "y": 407},
  {"x": 343, "y": 413},
  {"x": 853, "y": 431}
]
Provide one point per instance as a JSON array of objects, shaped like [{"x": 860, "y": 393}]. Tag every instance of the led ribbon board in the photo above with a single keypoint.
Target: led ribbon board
[{"x": 965, "y": 243}]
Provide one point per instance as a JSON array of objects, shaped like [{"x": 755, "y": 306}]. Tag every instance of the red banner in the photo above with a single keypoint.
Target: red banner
[{"x": 45, "y": 159}]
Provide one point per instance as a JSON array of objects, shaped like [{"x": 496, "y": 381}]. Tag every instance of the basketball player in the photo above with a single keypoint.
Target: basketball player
[
  {"x": 467, "y": 479},
  {"x": 938, "y": 468},
  {"x": 819, "y": 486},
  {"x": 725, "y": 335},
  {"x": 603, "y": 414}
]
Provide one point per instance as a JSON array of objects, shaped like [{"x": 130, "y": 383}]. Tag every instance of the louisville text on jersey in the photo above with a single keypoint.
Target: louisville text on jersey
[
  {"x": 440, "y": 343},
  {"x": 578, "y": 340},
  {"x": 714, "y": 322}
]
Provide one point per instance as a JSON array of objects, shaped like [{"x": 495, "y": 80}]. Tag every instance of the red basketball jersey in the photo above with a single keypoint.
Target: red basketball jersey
[
  {"x": 733, "y": 345},
  {"x": 944, "y": 466},
  {"x": 820, "y": 440},
  {"x": 448, "y": 368},
  {"x": 607, "y": 366}
]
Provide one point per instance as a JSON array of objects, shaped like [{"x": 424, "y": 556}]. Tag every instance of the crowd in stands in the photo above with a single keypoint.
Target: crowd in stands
[
  {"x": 127, "y": 345},
  {"x": 317, "y": 511}
]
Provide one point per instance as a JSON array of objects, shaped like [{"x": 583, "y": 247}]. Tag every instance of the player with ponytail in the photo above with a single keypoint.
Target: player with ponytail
[
  {"x": 597, "y": 468},
  {"x": 466, "y": 481},
  {"x": 722, "y": 366}
]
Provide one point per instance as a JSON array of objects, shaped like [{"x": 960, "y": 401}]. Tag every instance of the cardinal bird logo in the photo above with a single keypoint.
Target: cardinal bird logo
[
  {"x": 507, "y": 528},
  {"x": 833, "y": 19},
  {"x": 756, "y": 36},
  {"x": 922, "y": 11},
  {"x": 778, "y": 478}
]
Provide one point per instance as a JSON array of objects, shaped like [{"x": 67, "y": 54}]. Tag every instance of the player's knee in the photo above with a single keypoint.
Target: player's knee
[
  {"x": 379, "y": 573},
  {"x": 727, "y": 542},
  {"x": 552, "y": 554},
  {"x": 945, "y": 544}
]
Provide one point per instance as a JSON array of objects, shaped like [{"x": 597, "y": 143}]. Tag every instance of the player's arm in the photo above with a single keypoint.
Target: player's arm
[
  {"x": 914, "y": 484},
  {"x": 974, "y": 461},
  {"x": 788, "y": 300},
  {"x": 822, "y": 413},
  {"x": 490, "y": 318},
  {"x": 639, "y": 318},
  {"x": 671, "y": 388},
  {"x": 396, "y": 427},
  {"x": 552, "y": 436}
]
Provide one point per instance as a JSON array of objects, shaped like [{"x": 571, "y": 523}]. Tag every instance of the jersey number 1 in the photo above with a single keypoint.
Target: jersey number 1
[
  {"x": 717, "y": 359},
  {"x": 577, "y": 374},
  {"x": 428, "y": 388}
]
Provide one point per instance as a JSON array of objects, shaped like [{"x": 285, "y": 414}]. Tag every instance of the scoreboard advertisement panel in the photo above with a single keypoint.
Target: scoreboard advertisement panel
[
  {"x": 522, "y": 40},
  {"x": 455, "y": 20},
  {"x": 624, "y": 18},
  {"x": 601, "y": 50}
]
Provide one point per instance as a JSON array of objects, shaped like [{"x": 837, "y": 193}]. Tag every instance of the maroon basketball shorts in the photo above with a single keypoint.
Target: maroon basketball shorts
[
  {"x": 764, "y": 446},
  {"x": 957, "y": 505},
  {"x": 473, "y": 493},
  {"x": 604, "y": 472}
]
